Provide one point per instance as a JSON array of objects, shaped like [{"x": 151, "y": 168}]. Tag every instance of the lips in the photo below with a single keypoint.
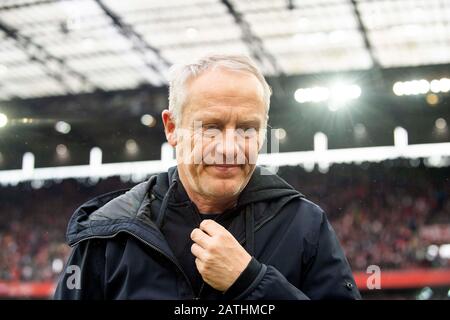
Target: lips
[{"x": 226, "y": 167}]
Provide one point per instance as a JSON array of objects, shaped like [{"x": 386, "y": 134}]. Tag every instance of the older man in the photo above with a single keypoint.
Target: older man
[{"x": 216, "y": 226}]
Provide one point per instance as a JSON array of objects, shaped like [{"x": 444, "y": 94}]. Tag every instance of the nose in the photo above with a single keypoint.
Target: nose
[{"x": 227, "y": 148}]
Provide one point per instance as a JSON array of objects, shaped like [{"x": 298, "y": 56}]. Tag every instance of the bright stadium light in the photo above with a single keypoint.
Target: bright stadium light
[
  {"x": 28, "y": 163},
  {"x": 37, "y": 184},
  {"x": 444, "y": 251},
  {"x": 441, "y": 85},
  {"x": 314, "y": 94},
  {"x": 398, "y": 88},
  {"x": 320, "y": 141},
  {"x": 445, "y": 84},
  {"x": 432, "y": 99},
  {"x": 400, "y": 137},
  {"x": 148, "y": 120},
  {"x": 62, "y": 127},
  {"x": 321, "y": 146},
  {"x": 422, "y": 86},
  {"x": 344, "y": 92},
  {"x": 62, "y": 152},
  {"x": 412, "y": 87},
  {"x": 432, "y": 252},
  {"x": 415, "y": 87},
  {"x": 338, "y": 95},
  {"x": 3, "y": 120},
  {"x": 131, "y": 147},
  {"x": 440, "y": 124},
  {"x": 280, "y": 133},
  {"x": 425, "y": 294},
  {"x": 57, "y": 265},
  {"x": 341, "y": 94},
  {"x": 435, "y": 86},
  {"x": 95, "y": 157}
]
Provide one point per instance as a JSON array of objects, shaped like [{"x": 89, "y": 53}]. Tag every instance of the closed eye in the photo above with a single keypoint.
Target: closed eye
[{"x": 248, "y": 132}]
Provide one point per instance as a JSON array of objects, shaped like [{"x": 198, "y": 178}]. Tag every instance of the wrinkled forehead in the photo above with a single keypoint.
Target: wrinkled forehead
[
  {"x": 220, "y": 115},
  {"x": 219, "y": 85},
  {"x": 224, "y": 95}
]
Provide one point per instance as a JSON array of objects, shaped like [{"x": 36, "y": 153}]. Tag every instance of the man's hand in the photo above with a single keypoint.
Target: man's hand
[{"x": 220, "y": 258}]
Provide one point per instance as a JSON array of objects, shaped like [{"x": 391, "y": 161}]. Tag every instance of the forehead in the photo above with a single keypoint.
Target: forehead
[
  {"x": 223, "y": 88},
  {"x": 222, "y": 115}
]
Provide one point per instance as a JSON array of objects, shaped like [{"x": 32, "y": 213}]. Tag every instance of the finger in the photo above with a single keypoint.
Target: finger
[
  {"x": 199, "y": 264},
  {"x": 200, "y": 237},
  {"x": 198, "y": 251},
  {"x": 211, "y": 227}
]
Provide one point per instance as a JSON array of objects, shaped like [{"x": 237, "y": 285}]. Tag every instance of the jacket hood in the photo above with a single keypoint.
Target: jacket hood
[{"x": 112, "y": 212}]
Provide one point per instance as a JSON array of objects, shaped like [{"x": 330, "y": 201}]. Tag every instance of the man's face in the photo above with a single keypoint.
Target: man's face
[{"x": 221, "y": 123}]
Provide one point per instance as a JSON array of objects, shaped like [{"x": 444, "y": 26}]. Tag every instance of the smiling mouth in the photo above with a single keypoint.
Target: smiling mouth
[{"x": 226, "y": 167}]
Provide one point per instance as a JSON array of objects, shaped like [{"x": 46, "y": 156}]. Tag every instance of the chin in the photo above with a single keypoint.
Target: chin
[{"x": 223, "y": 188}]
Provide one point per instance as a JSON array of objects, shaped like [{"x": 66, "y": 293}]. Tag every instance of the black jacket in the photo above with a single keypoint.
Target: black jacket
[{"x": 122, "y": 254}]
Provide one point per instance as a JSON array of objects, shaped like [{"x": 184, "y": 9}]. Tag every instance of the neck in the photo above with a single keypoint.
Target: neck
[
  {"x": 211, "y": 205},
  {"x": 207, "y": 204}
]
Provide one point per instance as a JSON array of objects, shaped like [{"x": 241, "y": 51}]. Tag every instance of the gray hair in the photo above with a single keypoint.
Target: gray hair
[{"x": 179, "y": 74}]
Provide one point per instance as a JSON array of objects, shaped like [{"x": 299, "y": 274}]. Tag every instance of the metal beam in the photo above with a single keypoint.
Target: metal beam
[
  {"x": 290, "y": 4},
  {"x": 362, "y": 28},
  {"x": 255, "y": 44},
  {"x": 27, "y": 4},
  {"x": 378, "y": 77},
  {"x": 139, "y": 43},
  {"x": 54, "y": 67}
]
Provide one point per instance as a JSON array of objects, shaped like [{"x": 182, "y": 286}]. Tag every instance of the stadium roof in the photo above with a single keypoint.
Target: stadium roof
[{"x": 50, "y": 47}]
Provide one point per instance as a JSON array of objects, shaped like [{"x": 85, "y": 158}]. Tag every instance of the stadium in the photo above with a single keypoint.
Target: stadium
[{"x": 358, "y": 117}]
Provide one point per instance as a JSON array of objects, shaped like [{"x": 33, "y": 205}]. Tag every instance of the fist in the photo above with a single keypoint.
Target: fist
[{"x": 220, "y": 258}]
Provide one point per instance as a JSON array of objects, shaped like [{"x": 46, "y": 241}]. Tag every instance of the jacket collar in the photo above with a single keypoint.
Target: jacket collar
[{"x": 128, "y": 210}]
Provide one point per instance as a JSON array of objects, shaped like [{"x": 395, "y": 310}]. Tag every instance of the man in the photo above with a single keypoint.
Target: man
[{"x": 216, "y": 226}]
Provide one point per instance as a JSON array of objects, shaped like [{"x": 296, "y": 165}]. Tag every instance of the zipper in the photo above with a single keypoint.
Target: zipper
[{"x": 154, "y": 248}]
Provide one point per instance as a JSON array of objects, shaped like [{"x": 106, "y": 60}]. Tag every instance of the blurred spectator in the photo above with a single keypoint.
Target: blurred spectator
[{"x": 377, "y": 211}]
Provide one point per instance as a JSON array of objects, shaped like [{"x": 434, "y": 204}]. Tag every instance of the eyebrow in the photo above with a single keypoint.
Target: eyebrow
[
  {"x": 250, "y": 122},
  {"x": 217, "y": 118},
  {"x": 255, "y": 122}
]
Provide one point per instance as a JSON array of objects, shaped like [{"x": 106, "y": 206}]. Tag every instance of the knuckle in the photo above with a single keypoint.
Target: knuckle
[
  {"x": 208, "y": 257},
  {"x": 194, "y": 234},
  {"x": 213, "y": 249},
  {"x": 221, "y": 237},
  {"x": 205, "y": 223}
]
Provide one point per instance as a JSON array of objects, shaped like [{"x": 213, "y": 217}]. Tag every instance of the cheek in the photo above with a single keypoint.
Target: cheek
[{"x": 251, "y": 150}]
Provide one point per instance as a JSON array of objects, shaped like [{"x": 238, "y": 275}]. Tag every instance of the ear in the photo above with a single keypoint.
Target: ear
[{"x": 169, "y": 127}]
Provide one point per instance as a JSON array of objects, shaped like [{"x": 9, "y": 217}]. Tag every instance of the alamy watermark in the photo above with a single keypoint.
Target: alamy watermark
[
  {"x": 73, "y": 281},
  {"x": 374, "y": 280},
  {"x": 209, "y": 145}
]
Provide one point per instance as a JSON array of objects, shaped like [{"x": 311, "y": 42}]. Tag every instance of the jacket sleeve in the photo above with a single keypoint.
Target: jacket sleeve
[
  {"x": 83, "y": 275},
  {"x": 327, "y": 275}
]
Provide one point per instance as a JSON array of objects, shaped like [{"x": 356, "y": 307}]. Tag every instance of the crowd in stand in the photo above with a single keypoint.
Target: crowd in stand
[{"x": 377, "y": 211}]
